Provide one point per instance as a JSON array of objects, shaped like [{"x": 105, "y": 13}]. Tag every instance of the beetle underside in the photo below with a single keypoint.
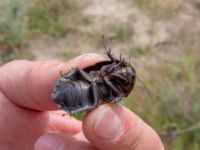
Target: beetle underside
[{"x": 84, "y": 89}]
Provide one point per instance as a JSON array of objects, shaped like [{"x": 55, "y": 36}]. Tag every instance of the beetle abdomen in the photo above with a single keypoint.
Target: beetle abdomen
[{"x": 73, "y": 95}]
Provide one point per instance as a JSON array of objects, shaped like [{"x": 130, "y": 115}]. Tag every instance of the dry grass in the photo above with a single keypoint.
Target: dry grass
[{"x": 162, "y": 38}]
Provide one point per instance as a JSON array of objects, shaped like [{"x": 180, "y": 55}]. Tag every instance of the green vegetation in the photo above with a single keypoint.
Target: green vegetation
[
  {"x": 140, "y": 50},
  {"x": 70, "y": 53},
  {"x": 170, "y": 99},
  {"x": 21, "y": 22},
  {"x": 13, "y": 23},
  {"x": 172, "y": 107},
  {"x": 144, "y": 4},
  {"x": 120, "y": 31},
  {"x": 55, "y": 18}
]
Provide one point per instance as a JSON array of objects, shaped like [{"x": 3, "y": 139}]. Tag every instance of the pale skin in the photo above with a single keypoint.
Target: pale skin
[{"x": 30, "y": 120}]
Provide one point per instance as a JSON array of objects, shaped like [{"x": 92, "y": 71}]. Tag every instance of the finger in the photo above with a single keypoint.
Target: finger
[
  {"x": 115, "y": 127},
  {"x": 63, "y": 124},
  {"x": 60, "y": 142},
  {"x": 21, "y": 127},
  {"x": 29, "y": 84}
]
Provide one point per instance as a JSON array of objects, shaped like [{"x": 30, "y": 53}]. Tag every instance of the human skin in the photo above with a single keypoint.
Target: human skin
[{"x": 30, "y": 120}]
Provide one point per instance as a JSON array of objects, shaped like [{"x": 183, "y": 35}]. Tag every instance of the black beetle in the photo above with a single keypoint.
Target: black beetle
[{"x": 105, "y": 82}]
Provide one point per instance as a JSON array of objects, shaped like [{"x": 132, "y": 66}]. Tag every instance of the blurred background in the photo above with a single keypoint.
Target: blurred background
[{"x": 161, "y": 37}]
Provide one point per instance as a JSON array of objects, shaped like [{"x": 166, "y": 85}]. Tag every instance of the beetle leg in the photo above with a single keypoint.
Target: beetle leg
[
  {"x": 77, "y": 72},
  {"x": 120, "y": 57},
  {"x": 70, "y": 75},
  {"x": 86, "y": 108},
  {"x": 114, "y": 75},
  {"x": 83, "y": 74},
  {"x": 105, "y": 68},
  {"x": 61, "y": 73},
  {"x": 111, "y": 86},
  {"x": 95, "y": 94},
  {"x": 108, "y": 53},
  {"x": 119, "y": 92},
  {"x": 109, "y": 68},
  {"x": 122, "y": 60}
]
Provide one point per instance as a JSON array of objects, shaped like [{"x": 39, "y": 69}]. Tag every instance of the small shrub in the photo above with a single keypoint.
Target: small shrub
[
  {"x": 13, "y": 22},
  {"x": 55, "y": 18}
]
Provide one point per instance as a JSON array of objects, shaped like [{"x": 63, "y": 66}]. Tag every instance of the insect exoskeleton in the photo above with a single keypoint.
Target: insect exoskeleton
[{"x": 105, "y": 82}]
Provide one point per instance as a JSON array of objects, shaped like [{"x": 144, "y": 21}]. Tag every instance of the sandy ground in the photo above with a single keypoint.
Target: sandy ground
[{"x": 178, "y": 28}]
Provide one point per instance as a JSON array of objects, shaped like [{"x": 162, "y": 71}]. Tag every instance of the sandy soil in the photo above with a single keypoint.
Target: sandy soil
[{"x": 167, "y": 27}]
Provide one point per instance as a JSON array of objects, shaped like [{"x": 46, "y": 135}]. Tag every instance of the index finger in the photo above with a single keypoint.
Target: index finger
[{"x": 29, "y": 84}]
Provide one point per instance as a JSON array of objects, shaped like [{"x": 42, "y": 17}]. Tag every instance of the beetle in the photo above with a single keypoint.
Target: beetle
[{"x": 81, "y": 90}]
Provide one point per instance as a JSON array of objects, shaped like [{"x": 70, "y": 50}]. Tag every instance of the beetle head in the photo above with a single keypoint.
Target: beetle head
[{"x": 125, "y": 76}]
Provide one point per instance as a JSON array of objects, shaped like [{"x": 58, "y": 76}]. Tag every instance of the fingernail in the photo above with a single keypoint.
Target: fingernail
[
  {"x": 50, "y": 142},
  {"x": 108, "y": 124}
]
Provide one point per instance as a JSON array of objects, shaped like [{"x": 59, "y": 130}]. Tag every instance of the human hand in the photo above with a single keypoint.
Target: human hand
[{"x": 27, "y": 120}]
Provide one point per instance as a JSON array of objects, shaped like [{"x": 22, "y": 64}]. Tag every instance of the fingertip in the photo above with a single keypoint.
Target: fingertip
[
  {"x": 54, "y": 141},
  {"x": 98, "y": 120},
  {"x": 30, "y": 83},
  {"x": 81, "y": 61},
  {"x": 115, "y": 127},
  {"x": 50, "y": 142}
]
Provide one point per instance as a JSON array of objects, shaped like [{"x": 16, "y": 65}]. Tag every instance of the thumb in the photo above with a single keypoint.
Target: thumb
[{"x": 115, "y": 127}]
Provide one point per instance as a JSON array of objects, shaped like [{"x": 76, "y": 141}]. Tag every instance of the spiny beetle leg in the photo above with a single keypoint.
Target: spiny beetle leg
[
  {"x": 109, "y": 68},
  {"x": 95, "y": 94},
  {"x": 86, "y": 108},
  {"x": 119, "y": 92},
  {"x": 83, "y": 74},
  {"x": 110, "y": 55},
  {"x": 71, "y": 75}
]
